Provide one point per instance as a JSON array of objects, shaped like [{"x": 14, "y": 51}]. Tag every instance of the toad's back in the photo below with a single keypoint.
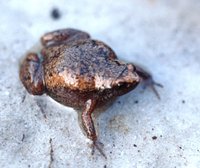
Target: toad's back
[{"x": 85, "y": 65}]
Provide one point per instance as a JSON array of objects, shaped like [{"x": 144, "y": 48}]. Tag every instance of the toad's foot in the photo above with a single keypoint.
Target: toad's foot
[
  {"x": 98, "y": 145},
  {"x": 148, "y": 80},
  {"x": 151, "y": 83}
]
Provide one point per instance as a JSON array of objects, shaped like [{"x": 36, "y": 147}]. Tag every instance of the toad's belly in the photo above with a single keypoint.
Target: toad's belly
[{"x": 71, "y": 98}]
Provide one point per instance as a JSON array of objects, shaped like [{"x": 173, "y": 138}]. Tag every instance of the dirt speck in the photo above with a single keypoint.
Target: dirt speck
[
  {"x": 183, "y": 101},
  {"x": 154, "y": 137},
  {"x": 181, "y": 148},
  {"x": 55, "y": 13}
]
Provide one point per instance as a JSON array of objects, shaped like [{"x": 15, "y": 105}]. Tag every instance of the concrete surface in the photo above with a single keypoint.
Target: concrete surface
[{"x": 138, "y": 130}]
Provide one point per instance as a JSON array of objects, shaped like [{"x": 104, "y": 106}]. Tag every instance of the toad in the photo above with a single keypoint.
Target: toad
[{"x": 78, "y": 71}]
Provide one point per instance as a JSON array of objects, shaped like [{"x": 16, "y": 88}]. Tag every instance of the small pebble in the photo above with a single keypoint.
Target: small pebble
[
  {"x": 55, "y": 13},
  {"x": 154, "y": 137},
  {"x": 183, "y": 101}
]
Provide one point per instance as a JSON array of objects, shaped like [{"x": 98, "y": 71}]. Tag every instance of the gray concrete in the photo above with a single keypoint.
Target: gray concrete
[{"x": 161, "y": 35}]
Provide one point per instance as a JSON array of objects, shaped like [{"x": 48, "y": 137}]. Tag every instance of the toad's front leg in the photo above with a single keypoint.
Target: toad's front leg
[
  {"x": 88, "y": 125},
  {"x": 148, "y": 80}
]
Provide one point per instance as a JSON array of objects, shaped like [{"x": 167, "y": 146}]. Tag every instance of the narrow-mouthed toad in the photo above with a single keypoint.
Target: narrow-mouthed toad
[{"x": 78, "y": 71}]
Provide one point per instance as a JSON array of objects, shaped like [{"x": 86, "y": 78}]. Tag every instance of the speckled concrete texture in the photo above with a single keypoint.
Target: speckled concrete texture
[{"x": 137, "y": 130}]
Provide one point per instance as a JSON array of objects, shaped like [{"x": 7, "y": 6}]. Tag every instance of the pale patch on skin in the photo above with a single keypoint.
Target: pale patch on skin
[
  {"x": 76, "y": 82},
  {"x": 102, "y": 83},
  {"x": 69, "y": 79}
]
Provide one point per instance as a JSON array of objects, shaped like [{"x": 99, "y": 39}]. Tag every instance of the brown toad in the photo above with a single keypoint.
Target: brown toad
[{"x": 78, "y": 71}]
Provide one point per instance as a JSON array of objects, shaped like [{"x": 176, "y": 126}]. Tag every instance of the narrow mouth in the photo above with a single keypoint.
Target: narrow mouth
[{"x": 124, "y": 85}]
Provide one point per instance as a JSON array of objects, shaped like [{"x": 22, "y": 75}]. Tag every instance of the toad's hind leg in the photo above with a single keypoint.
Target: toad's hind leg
[
  {"x": 148, "y": 79},
  {"x": 88, "y": 125},
  {"x": 63, "y": 36},
  {"x": 31, "y": 74}
]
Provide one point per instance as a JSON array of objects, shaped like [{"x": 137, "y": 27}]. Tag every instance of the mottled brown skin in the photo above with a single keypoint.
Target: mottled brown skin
[{"x": 78, "y": 71}]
